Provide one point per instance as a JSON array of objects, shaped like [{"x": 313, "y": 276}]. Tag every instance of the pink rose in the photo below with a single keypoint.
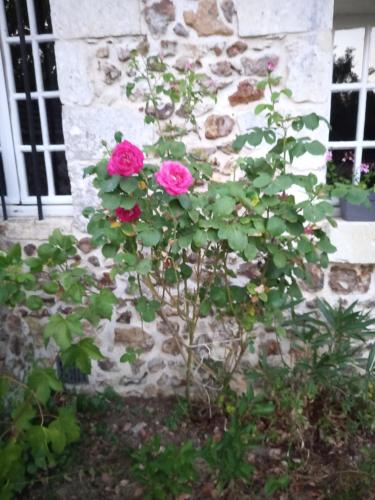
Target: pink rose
[
  {"x": 329, "y": 156},
  {"x": 365, "y": 168},
  {"x": 126, "y": 160},
  {"x": 174, "y": 178},
  {"x": 270, "y": 66},
  {"x": 309, "y": 230},
  {"x": 128, "y": 215}
]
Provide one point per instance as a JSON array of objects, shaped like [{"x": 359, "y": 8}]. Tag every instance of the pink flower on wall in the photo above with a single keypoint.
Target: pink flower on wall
[
  {"x": 174, "y": 177},
  {"x": 126, "y": 160},
  {"x": 128, "y": 215}
]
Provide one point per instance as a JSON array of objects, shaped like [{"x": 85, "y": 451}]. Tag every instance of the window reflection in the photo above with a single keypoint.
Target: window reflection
[
  {"x": 348, "y": 55},
  {"x": 60, "y": 173},
  {"x": 18, "y": 68},
  {"x": 370, "y": 116},
  {"x": 371, "y": 68},
  {"x": 24, "y": 125},
  {"x": 3, "y": 188},
  {"x": 11, "y": 17},
  {"x": 42, "y": 180},
  {"x": 344, "y": 110}
]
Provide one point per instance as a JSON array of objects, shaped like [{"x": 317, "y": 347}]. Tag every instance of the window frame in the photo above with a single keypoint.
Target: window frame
[
  {"x": 18, "y": 200},
  {"x": 362, "y": 87}
]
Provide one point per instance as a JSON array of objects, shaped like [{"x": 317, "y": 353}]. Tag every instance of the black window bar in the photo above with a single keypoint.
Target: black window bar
[
  {"x": 36, "y": 172},
  {"x": 3, "y": 193}
]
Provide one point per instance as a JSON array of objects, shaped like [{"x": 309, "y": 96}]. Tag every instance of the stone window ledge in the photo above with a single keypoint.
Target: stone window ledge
[
  {"x": 30, "y": 229},
  {"x": 355, "y": 242}
]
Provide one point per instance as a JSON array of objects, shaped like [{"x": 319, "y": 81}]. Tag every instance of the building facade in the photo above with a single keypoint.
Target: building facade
[{"x": 78, "y": 62}]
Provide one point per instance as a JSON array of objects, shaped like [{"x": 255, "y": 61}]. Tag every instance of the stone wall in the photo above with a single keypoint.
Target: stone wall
[{"x": 231, "y": 43}]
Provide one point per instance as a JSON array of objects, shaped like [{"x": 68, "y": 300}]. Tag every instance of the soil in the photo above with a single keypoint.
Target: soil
[{"x": 98, "y": 467}]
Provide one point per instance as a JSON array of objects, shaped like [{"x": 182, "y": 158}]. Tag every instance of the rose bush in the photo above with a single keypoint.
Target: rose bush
[{"x": 178, "y": 252}]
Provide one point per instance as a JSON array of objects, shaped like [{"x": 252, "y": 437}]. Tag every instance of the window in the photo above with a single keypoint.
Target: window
[
  {"x": 15, "y": 141},
  {"x": 352, "y": 137}
]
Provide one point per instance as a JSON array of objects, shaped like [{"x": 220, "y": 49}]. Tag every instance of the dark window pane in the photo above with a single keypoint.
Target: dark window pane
[
  {"x": 53, "y": 107},
  {"x": 60, "y": 173},
  {"x": 22, "y": 113},
  {"x": 340, "y": 169},
  {"x": 3, "y": 188},
  {"x": 18, "y": 68},
  {"x": 368, "y": 167},
  {"x": 11, "y": 17},
  {"x": 348, "y": 55},
  {"x": 42, "y": 181},
  {"x": 43, "y": 16},
  {"x": 370, "y": 116},
  {"x": 344, "y": 110},
  {"x": 48, "y": 62}
]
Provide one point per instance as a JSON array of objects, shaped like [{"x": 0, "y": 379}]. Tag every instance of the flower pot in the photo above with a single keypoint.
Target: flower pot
[{"x": 358, "y": 212}]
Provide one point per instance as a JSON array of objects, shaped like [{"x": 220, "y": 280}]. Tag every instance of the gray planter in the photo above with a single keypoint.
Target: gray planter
[{"x": 358, "y": 212}]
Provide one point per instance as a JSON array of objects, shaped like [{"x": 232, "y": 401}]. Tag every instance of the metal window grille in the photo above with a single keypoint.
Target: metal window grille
[
  {"x": 359, "y": 144},
  {"x": 33, "y": 158}
]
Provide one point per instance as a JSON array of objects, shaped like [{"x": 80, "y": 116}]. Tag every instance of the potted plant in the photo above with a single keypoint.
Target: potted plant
[{"x": 340, "y": 170}]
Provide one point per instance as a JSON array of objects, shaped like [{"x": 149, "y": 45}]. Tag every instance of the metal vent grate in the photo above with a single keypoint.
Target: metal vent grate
[{"x": 70, "y": 374}]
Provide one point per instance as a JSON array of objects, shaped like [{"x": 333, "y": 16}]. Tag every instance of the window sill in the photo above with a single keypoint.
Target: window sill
[
  {"x": 30, "y": 229},
  {"x": 355, "y": 242}
]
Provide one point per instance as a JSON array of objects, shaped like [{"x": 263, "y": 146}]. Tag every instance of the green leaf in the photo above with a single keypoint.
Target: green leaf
[
  {"x": 110, "y": 184},
  {"x": 275, "y": 483},
  {"x": 250, "y": 252},
  {"x": 111, "y": 200},
  {"x": 262, "y": 180},
  {"x": 204, "y": 308},
  {"x": 315, "y": 148},
  {"x": 131, "y": 355},
  {"x": 177, "y": 149},
  {"x": 103, "y": 303},
  {"x": 41, "y": 381},
  {"x": 223, "y": 206},
  {"x": 200, "y": 238},
  {"x": 58, "y": 328},
  {"x": 218, "y": 296},
  {"x": 118, "y": 135},
  {"x": 147, "y": 308},
  {"x": 129, "y": 184},
  {"x": 311, "y": 121},
  {"x": 276, "y": 226},
  {"x": 33, "y": 302},
  {"x": 186, "y": 271},
  {"x": 279, "y": 259},
  {"x": 144, "y": 266},
  {"x": 149, "y": 237},
  {"x": 237, "y": 239},
  {"x": 239, "y": 142},
  {"x": 109, "y": 250},
  {"x": 50, "y": 287}
]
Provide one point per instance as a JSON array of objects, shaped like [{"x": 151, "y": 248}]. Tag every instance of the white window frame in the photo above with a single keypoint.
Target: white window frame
[
  {"x": 363, "y": 86},
  {"x": 10, "y": 132}
]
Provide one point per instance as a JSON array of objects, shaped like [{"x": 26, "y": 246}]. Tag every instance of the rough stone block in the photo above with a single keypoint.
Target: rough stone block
[
  {"x": 95, "y": 18},
  {"x": 355, "y": 242},
  {"x": 85, "y": 128},
  {"x": 310, "y": 66},
  {"x": 345, "y": 278},
  {"x": 288, "y": 16},
  {"x": 72, "y": 61}
]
